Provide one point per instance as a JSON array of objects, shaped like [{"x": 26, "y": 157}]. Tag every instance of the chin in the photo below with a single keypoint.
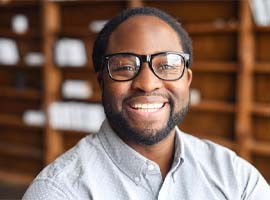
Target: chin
[{"x": 141, "y": 132}]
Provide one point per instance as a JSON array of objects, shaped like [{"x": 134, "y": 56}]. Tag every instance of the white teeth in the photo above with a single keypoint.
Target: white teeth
[{"x": 148, "y": 107}]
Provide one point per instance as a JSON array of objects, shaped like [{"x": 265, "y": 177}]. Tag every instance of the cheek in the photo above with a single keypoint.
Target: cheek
[
  {"x": 182, "y": 87},
  {"x": 180, "y": 93},
  {"x": 114, "y": 93}
]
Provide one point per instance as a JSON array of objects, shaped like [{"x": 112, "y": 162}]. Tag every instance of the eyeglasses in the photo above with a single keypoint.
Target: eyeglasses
[{"x": 167, "y": 66}]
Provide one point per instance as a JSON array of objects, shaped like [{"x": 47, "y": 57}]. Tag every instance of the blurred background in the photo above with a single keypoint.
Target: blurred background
[{"x": 49, "y": 96}]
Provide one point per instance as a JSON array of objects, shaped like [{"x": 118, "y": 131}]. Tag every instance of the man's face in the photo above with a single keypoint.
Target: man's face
[{"x": 146, "y": 109}]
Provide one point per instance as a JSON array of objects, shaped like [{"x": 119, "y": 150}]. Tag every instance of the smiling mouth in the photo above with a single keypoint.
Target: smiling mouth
[{"x": 147, "y": 107}]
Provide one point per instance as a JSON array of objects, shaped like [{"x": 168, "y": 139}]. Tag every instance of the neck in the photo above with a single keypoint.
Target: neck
[{"x": 161, "y": 153}]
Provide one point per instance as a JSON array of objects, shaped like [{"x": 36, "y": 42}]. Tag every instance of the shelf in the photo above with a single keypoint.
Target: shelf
[
  {"x": 15, "y": 121},
  {"x": 31, "y": 34},
  {"x": 214, "y": 106},
  {"x": 212, "y": 27},
  {"x": 219, "y": 67},
  {"x": 82, "y": 69},
  {"x": 20, "y": 67},
  {"x": 15, "y": 150},
  {"x": 74, "y": 133},
  {"x": 261, "y": 109},
  {"x": 77, "y": 32},
  {"x": 262, "y": 68},
  {"x": 219, "y": 140},
  {"x": 262, "y": 148},
  {"x": 18, "y": 178},
  {"x": 19, "y": 3},
  {"x": 263, "y": 29},
  {"x": 96, "y": 98},
  {"x": 28, "y": 94},
  {"x": 85, "y": 3}
]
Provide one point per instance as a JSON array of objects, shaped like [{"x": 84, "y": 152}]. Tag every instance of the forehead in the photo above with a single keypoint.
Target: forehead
[{"x": 144, "y": 35}]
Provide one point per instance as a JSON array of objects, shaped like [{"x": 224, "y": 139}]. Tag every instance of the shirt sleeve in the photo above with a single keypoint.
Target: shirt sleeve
[
  {"x": 253, "y": 183},
  {"x": 261, "y": 191},
  {"x": 45, "y": 190}
]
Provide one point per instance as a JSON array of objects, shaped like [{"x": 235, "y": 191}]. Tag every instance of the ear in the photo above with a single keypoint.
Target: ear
[
  {"x": 189, "y": 76},
  {"x": 100, "y": 79}
]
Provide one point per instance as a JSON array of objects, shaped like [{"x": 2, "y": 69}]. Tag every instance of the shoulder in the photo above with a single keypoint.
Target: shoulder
[
  {"x": 224, "y": 167},
  {"x": 74, "y": 159},
  {"x": 205, "y": 149},
  {"x": 213, "y": 155},
  {"x": 67, "y": 172}
]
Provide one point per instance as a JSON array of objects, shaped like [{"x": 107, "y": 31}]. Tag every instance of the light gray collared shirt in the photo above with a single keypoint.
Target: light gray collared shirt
[{"x": 102, "y": 167}]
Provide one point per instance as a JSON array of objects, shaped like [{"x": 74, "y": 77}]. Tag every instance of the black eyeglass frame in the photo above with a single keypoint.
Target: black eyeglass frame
[{"x": 148, "y": 59}]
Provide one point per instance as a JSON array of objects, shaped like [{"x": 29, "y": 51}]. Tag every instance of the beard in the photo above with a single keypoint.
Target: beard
[{"x": 145, "y": 136}]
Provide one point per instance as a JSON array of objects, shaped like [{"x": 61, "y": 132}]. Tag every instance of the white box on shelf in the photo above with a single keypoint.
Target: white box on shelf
[
  {"x": 34, "y": 117},
  {"x": 70, "y": 52},
  {"x": 97, "y": 25},
  {"x": 9, "y": 54},
  {"x": 19, "y": 23},
  {"x": 34, "y": 59},
  {"x": 195, "y": 96},
  {"x": 76, "y": 116},
  {"x": 77, "y": 89}
]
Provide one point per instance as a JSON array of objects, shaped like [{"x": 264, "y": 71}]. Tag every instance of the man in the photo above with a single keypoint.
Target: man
[{"x": 142, "y": 59}]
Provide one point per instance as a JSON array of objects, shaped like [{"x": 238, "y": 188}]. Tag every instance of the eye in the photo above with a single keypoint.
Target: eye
[
  {"x": 166, "y": 67},
  {"x": 124, "y": 68}
]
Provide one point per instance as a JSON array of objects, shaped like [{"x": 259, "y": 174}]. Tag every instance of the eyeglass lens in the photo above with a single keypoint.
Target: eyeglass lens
[
  {"x": 167, "y": 66},
  {"x": 123, "y": 67}
]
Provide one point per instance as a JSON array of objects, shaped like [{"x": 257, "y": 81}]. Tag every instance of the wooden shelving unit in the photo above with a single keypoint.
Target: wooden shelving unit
[
  {"x": 214, "y": 106},
  {"x": 11, "y": 120},
  {"x": 30, "y": 94},
  {"x": 63, "y": 19},
  {"x": 212, "y": 27},
  {"x": 21, "y": 89},
  {"x": 215, "y": 66},
  {"x": 231, "y": 72}
]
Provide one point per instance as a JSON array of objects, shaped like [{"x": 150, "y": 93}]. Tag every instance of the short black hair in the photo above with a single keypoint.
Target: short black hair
[{"x": 101, "y": 43}]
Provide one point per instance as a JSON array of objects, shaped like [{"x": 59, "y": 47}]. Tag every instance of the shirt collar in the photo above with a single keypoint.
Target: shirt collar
[
  {"x": 179, "y": 153},
  {"x": 127, "y": 159}
]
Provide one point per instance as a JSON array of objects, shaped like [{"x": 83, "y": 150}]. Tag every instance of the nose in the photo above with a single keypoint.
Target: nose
[{"x": 146, "y": 80}]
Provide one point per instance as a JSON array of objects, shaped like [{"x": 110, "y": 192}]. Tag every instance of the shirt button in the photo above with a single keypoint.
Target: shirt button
[
  {"x": 137, "y": 179},
  {"x": 151, "y": 167}
]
